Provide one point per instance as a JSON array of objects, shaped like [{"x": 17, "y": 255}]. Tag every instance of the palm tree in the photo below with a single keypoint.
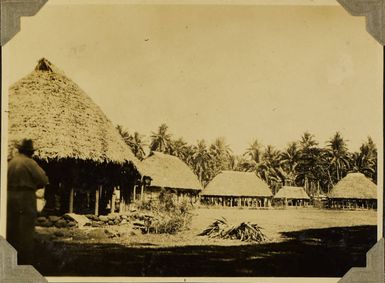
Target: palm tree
[
  {"x": 269, "y": 168},
  {"x": 309, "y": 163},
  {"x": 221, "y": 154},
  {"x": 161, "y": 140},
  {"x": 307, "y": 141},
  {"x": 202, "y": 161},
  {"x": 289, "y": 161},
  {"x": 245, "y": 165},
  {"x": 135, "y": 142},
  {"x": 251, "y": 158},
  {"x": 178, "y": 148},
  {"x": 338, "y": 156},
  {"x": 365, "y": 161},
  {"x": 137, "y": 145},
  {"x": 123, "y": 133},
  {"x": 254, "y": 152},
  {"x": 234, "y": 162}
]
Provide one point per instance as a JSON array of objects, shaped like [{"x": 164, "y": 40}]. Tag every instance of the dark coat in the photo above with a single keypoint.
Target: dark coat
[{"x": 25, "y": 176}]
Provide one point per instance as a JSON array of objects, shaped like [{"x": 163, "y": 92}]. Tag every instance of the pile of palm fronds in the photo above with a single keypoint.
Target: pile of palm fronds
[{"x": 245, "y": 231}]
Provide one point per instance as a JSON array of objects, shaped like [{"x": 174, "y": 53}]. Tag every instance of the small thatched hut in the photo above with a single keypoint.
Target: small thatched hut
[
  {"x": 353, "y": 191},
  {"x": 291, "y": 196},
  {"x": 83, "y": 154},
  {"x": 163, "y": 171},
  {"x": 231, "y": 188}
]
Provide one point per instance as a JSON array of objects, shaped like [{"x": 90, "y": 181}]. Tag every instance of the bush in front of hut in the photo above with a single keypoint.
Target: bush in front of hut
[{"x": 162, "y": 216}]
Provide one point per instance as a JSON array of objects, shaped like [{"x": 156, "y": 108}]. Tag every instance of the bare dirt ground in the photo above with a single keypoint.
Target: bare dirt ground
[{"x": 301, "y": 242}]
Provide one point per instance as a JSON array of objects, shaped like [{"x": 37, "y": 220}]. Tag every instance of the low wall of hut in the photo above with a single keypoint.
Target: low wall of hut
[
  {"x": 352, "y": 204},
  {"x": 236, "y": 201},
  {"x": 290, "y": 202}
]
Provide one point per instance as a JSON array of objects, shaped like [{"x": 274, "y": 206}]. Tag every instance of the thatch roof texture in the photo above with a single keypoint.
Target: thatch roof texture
[
  {"x": 287, "y": 192},
  {"x": 238, "y": 184},
  {"x": 168, "y": 171},
  {"x": 354, "y": 186},
  {"x": 62, "y": 120}
]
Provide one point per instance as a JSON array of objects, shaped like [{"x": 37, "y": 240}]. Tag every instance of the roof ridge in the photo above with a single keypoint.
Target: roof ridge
[{"x": 44, "y": 65}]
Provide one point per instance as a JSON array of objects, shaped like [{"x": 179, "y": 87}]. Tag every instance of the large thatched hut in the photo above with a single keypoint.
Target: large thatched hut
[
  {"x": 353, "y": 191},
  {"x": 83, "y": 154},
  {"x": 291, "y": 196},
  {"x": 231, "y": 188},
  {"x": 167, "y": 172}
]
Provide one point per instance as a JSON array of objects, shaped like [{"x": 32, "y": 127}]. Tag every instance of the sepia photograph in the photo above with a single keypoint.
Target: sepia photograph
[{"x": 169, "y": 140}]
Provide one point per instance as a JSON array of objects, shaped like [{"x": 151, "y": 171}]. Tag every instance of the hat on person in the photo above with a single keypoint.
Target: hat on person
[{"x": 26, "y": 145}]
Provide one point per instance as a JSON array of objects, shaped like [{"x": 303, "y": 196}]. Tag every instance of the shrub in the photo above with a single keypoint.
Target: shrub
[
  {"x": 167, "y": 215},
  {"x": 146, "y": 205}
]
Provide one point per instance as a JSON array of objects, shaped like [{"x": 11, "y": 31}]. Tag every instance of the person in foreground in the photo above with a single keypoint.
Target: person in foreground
[{"x": 25, "y": 177}]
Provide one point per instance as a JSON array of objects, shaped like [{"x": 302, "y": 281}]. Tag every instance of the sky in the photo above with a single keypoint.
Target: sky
[{"x": 207, "y": 71}]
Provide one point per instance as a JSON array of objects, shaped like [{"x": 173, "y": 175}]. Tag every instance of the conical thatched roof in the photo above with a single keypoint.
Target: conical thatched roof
[
  {"x": 169, "y": 172},
  {"x": 232, "y": 183},
  {"x": 62, "y": 120},
  {"x": 354, "y": 186},
  {"x": 291, "y": 193}
]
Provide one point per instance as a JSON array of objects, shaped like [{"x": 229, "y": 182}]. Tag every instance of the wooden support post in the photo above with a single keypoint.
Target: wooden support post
[
  {"x": 134, "y": 194},
  {"x": 88, "y": 199},
  {"x": 122, "y": 200},
  {"x": 141, "y": 192},
  {"x": 97, "y": 196},
  {"x": 113, "y": 201},
  {"x": 122, "y": 205},
  {"x": 71, "y": 204}
]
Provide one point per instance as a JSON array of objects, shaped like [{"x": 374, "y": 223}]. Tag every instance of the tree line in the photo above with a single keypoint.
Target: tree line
[{"x": 302, "y": 163}]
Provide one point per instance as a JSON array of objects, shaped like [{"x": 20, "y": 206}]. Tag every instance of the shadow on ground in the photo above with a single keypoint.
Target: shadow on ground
[{"x": 327, "y": 252}]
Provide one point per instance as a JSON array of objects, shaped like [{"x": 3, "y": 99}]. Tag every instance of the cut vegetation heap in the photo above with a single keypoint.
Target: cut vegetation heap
[{"x": 245, "y": 231}]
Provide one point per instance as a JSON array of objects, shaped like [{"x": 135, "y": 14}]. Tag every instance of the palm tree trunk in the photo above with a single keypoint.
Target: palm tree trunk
[
  {"x": 338, "y": 173},
  {"x": 330, "y": 180},
  {"x": 306, "y": 185}
]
